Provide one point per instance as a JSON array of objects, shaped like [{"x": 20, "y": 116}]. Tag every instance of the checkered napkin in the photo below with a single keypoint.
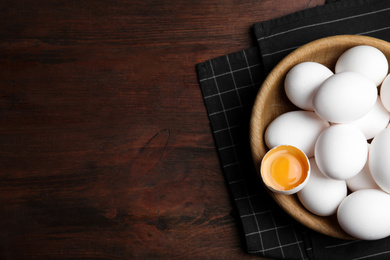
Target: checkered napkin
[{"x": 229, "y": 86}]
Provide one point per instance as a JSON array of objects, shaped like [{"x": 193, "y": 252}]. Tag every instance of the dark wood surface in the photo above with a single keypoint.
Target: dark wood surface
[{"x": 105, "y": 146}]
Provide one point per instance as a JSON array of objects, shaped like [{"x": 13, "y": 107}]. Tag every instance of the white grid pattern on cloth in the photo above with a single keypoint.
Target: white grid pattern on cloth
[
  {"x": 374, "y": 31},
  {"x": 250, "y": 73},
  {"x": 323, "y": 23},
  {"x": 224, "y": 92},
  {"x": 232, "y": 182},
  {"x": 232, "y": 164},
  {"x": 343, "y": 244},
  {"x": 231, "y": 138},
  {"x": 277, "y": 247},
  {"x": 226, "y": 73},
  {"x": 224, "y": 111},
  {"x": 248, "y": 197},
  {"x": 225, "y": 129},
  {"x": 382, "y": 254},
  {"x": 234, "y": 81},
  {"x": 296, "y": 47},
  {"x": 274, "y": 52},
  {"x": 373, "y": 255},
  {"x": 238, "y": 184},
  {"x": 276, "y": 228}
]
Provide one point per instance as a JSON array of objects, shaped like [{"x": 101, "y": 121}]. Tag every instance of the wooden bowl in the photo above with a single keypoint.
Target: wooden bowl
[{"x": 271, "y": 101}]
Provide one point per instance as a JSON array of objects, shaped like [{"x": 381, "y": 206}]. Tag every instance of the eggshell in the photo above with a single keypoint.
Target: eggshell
[
  {"x": 322, "y": 195},
  {"x": 374, "y": 121},
  {"x": 379, "y": 159},
  {"x": 362, "y": 180},
  {"x": 366, "y": 60},
  {"x": 285, "y": 169},
  {"x": 303, "y": 80},
  {"x": 345, "y": 97},
  {"x": 297, "y": 128},
  {"x": 341, "y": 151},
  {"x": 365, "y": 214},
  {"x": 385, "y": 93}
]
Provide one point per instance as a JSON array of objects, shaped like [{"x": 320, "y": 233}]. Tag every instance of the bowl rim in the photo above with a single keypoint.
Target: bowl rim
[{"x": 313, "y": 221}]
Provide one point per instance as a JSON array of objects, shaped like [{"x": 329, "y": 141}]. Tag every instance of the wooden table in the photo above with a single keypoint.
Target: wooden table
[{"x": 105, "y": 146}]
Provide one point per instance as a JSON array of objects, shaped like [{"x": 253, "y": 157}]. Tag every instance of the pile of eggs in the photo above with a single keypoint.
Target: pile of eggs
[{"x": 342, "y": 132}]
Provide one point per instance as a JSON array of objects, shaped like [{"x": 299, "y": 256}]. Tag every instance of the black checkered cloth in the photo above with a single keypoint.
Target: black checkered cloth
[{"x": 229, "y": 86}]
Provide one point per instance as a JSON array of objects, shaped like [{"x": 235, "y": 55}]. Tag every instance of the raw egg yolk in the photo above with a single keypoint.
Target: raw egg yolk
[{"x": 284, "y": 167}]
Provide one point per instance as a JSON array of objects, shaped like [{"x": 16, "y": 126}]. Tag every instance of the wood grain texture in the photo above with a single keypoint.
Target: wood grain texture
[{"x": 105, "y": 146}]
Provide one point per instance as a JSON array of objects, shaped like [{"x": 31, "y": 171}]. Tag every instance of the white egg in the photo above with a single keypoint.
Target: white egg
[
  {"x": 379, "y": 159},
  {"x": 296, "y": 128},
  {"x": 345, "y": 97},
  {"x": 341, "y": 151},
  {"x": 365, "y": 214},
  {"x": 374, "y": 121},
  {"x": 322, "y": 195},
  {"x": 302, "y": 82},
  {"x": 366, "y": 60},
  {"x": 385, "y": 93},
  {"x": 362, "y": 180}
]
